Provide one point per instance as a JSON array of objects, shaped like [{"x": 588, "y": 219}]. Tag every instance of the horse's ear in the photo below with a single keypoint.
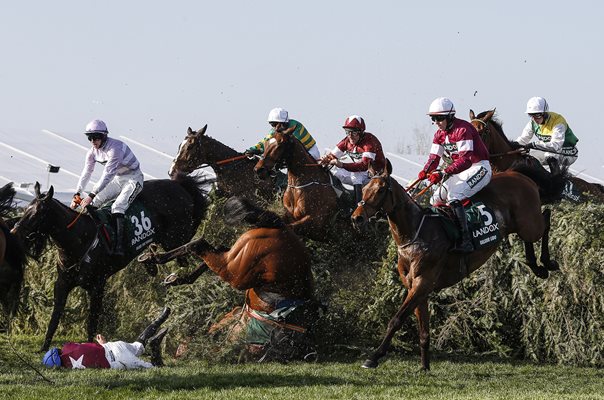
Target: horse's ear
[
  {"x": 189, "y": 131},
  {"x": 37, "y": 189},
  {"x": 50, "y": 192},
  {"x": 202, "y": 131},
  {"x": 488, "y": 115},
  {"x": 472, "y": 115},
  {"x": 370, "y": 169}
]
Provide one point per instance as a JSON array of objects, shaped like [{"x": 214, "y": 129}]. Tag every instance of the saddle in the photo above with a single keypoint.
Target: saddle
[{"x": 483, "y": 227}]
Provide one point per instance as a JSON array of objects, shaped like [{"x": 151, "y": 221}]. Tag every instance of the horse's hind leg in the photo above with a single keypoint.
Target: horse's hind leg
[
  {"x": 61, "y": 291},
  {"x": 150, "y": 256},
  {"x": 531, "y": 260},
  {"x": 548, "y": 263}
]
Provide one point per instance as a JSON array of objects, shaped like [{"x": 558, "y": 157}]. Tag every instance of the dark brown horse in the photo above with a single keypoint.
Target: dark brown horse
[
  {"x": 503, "y": 157},
  {"x": 310, "y": 200},
  {"x": 234, "y": 172},
  {"x": 172, "y": 212},
  {"x": 12, "y": 256},
  {"x": 269, "y": 261},
  {"x": 425, "y": 264}
]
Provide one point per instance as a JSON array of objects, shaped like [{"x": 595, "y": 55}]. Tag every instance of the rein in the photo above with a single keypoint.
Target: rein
[{"x": 230, "y": 160}]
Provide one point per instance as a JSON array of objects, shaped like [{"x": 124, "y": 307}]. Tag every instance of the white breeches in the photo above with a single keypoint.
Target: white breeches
[{"x": 463, "y": 185}]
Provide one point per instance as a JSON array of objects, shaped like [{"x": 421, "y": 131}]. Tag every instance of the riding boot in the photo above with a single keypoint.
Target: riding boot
[
  {"x": 358, "y": 193},
  {"x": 153, "y": 327},
  {"x": 466, "y": 245},
  {"x": 554, "y": 166},
  {"x": 118, "y": 249},
  {"x": 155, "y": 347}
]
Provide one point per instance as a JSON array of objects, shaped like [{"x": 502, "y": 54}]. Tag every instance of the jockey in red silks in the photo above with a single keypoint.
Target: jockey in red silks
[
  {"x": 469, "y": 170},
  {"x": 363, "y": 148}
]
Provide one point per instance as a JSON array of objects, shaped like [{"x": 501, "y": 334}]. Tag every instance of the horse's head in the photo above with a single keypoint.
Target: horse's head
[
  {"x": 35, "y": 221},
  {"x": 191, "y": 154},
  {"x": 277, "y": 151},
  {"x": 377, "y": 195}
]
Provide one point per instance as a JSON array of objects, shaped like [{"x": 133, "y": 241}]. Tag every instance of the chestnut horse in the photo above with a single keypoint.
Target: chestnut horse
[
  {"x": 12, "y": 256},
  {"x": 504, "y": 157},
  {"x": 310, "y": 200},
  {"x": 234, "y": 171},
  {"x": 269, "y": 261},
  {"x": 425, "y": 263},
  {"x": 173, "y": 211}
]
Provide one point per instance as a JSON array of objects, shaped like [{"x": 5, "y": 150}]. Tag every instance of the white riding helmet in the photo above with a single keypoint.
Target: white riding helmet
[
  {"x": 441, "y": 106},
  {"x": 536, "y": 105},
  {"x": 278, "y": 115},
  {"x": 96, "y": 126}
]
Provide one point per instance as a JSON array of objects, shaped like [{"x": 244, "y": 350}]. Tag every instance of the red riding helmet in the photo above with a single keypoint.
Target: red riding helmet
[{"x": 354, "y": 123}]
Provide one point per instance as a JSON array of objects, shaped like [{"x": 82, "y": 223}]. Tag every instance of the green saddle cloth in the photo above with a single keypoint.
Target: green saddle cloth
[
  {"x": 139, "y": 229},
  {"x": 484, "y": 228}
]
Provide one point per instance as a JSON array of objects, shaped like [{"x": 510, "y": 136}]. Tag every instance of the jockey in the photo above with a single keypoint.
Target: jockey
[
  {"x": 280, "y": 122},
  {"x": 469, "y": 171},
  {"x": 121, "y": 180},
  {"x": 555, "y": 143},
  {"x": 363, "y": 148},
  {"x": 115, "y": 355}
]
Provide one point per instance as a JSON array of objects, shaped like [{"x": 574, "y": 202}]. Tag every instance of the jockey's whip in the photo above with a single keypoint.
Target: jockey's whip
[
  {"x": 413, "y": 184},
  {"x": 424, "y": 190},
  {"x": 229, "y": 160}
]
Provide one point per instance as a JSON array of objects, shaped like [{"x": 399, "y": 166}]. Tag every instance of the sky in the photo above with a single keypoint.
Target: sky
[{"x": 150, "y": 69}]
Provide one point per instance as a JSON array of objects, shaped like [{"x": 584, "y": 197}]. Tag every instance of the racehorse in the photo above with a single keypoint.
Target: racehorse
[
  {"x": 425, "y": 263},
  {"x": 12, "y": 256},
  {"x": 310, "y": 200},
  {"x": 269, "y": 261},
  {"x": 234, "y": 171},
  {"x": 503, "y": 157},
  {"x": 172, "y": 212}
]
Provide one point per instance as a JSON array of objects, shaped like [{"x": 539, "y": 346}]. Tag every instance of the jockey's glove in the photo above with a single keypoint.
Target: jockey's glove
[
  {"x": 422, "y": 175},
  {"x": 436, "y": 177},
  {"x": 515, "y": 145}
]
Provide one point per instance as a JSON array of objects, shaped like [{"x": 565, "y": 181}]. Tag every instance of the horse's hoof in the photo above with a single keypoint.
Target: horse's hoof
[
  {"x": 170, "y": 279},
  {"x": 552, "y": 265},
  {"x": 540, "y": 272},
  {"x": 369, "y": 364},
  {"x": 144, "y": 258}
]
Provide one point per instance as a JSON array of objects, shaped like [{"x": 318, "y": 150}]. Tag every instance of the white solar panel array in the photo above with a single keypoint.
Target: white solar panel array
[{"x": 26, "y": 160}]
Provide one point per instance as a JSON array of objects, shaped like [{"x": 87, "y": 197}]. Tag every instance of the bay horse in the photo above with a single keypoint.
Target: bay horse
[
  {"x": 173, "y": 211},
  {"x": 268, "y": 261},
  {"x": 234, "y": 171},
  {"x": 425, "y": 263},
  {"x": 310, "y": 200},
  {"x": 503, "y": 156},
  {"x": 12, "y": 256}
]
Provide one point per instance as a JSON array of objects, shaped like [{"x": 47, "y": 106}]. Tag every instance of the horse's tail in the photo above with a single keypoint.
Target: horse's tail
[
  {"x": 7, "y": 194},
  {"x": 195, "y": 187},
  {"x": 15, "y": 259},
  {"x": 550, "y": 185},
  {"x": 239, "y": 210}
]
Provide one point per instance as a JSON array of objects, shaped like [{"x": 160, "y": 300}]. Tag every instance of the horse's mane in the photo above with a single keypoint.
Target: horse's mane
[
  {"x": 7, "y": 194},
  {"x": 239, "y": 210},
  {"x": 218, "y": 142},
  {"x": 497, "y": 124}
]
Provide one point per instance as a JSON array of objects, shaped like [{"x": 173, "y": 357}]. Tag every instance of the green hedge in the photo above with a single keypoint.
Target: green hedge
[{"x": 501, "y": 309}]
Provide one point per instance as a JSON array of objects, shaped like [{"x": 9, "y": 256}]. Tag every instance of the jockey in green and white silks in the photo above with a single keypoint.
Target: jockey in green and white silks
[
  {"x": 552, "y": 132},
  {"x": 279, "y": 120}
]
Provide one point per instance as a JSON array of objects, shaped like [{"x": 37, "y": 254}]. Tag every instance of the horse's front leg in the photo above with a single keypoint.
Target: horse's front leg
[
  {"x": 548, "y": 263},
  {"x": 61, "y": 291},
  {"x": 423, "y": 321},
  {"x": 531, "y": 260},
  {"x": 95, "y": 294},
  {"x": 415, "y": 296}
]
